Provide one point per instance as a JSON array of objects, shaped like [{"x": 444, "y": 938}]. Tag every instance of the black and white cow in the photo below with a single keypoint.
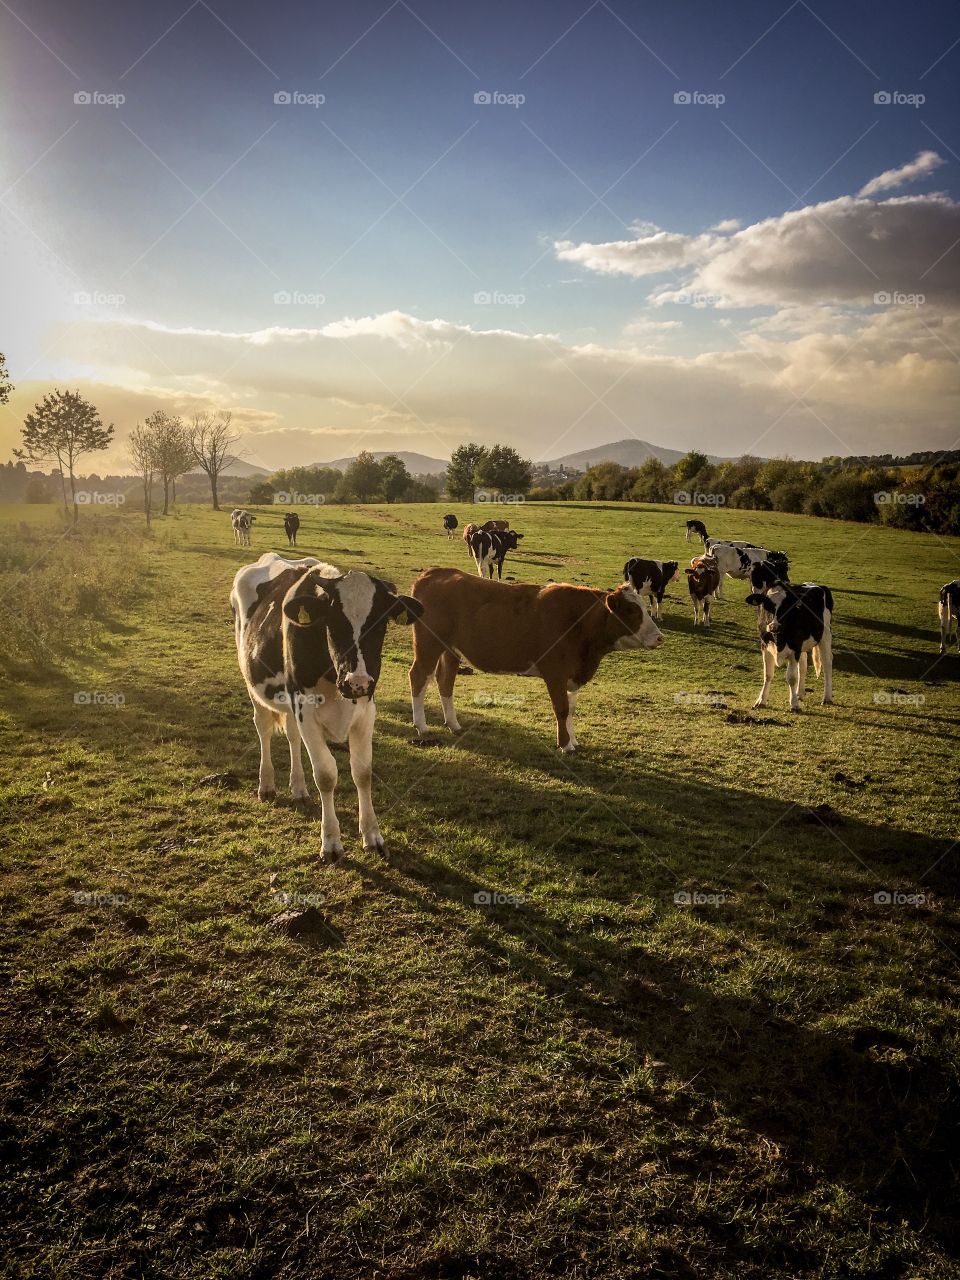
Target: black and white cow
[
  {"x": 450, "y": 523},
  {"x": 235, "y": 515},
  {"x": 736, "y": 559},
  {"x": 489, "y": 549},
  {"x": 309, "y": 644},
  {"x": 696, "y": 528},
  {"x": 794, "y": 623},
  {"x": 949, "y": 610},
  {"x": 242, "y": 522},
  {"x": 651, "y": 578},
  {"x": 291, "y": 526}
]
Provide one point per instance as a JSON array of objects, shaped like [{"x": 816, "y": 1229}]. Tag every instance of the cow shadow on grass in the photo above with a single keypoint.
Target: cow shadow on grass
[{"x": 864, "y": 1107}]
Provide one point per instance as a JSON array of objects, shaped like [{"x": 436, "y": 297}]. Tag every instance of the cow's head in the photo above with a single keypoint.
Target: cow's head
[
  {"x": 671, "y": 570},
  {"x": 511, "y": 539},
  {"x": 636, "y": 629},
  {"x": 350, "y": 613}
]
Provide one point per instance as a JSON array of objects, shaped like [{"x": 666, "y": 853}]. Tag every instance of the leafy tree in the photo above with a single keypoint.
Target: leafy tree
[
  {"x": 64, "y": 427},
  {"x": 502, "y": 468},
  {"x": 690, "y": 466},
  {"x": 462, "y": 471},
  {"x": 395, "y": 479},
  {"x": 261, "y": 493},
  {"x": 363, "y": 477},
  {"x": 210, "y": 446},
  {"x": 6, "y": 386},
  {"x": 652, "y": 482},
  {"x": 36, "y": 490},
  {"x": 607, "y": 481}
]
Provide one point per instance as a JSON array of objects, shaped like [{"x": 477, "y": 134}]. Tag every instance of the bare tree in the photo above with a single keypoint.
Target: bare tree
[
  {"x": 210, "y": 445},
  {"x": 172, "y": 453},
  {"x": 142, "y": 453}
]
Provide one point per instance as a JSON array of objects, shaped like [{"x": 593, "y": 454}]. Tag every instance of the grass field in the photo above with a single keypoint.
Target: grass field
[{"x": 590, "y": 1079}]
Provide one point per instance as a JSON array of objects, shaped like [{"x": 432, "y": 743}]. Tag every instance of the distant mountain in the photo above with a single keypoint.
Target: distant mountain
[
  {"x": 240, "y": 468},
  {"x": 418, "y": 464},
  {"x": 629, "y": 453}
]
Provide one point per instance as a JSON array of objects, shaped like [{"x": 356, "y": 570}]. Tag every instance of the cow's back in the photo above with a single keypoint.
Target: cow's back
[{"x": 256, "y": 600}]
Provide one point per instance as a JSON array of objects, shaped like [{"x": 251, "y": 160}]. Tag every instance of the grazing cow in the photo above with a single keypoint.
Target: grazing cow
[
  {"x": 949, "y": 610},
  {"x": 291, "y": 525},
  {"x": 795, "y": 622},
  {"x": 651, "y": 578},
  {"x": 309, "y": 644},
  {"x": 495, "y": 526},
  {"x": 558, "y": 632},
  {"x": 489, "y": 549},
  {"x": 702, "y": 583},
  {"x": 735, "y": 559},
  {"x": 450, "y": 523},
  {"x": 697, "y": 528}
]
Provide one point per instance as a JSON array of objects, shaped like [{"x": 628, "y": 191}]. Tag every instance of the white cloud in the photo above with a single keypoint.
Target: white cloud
[
  {"x": 924, "y": 163},
  {"x": 645, "y": 256},
  {"x": 727, "y": 225}
]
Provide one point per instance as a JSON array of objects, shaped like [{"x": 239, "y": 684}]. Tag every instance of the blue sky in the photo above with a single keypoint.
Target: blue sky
[{"x": 297, "y": 199}]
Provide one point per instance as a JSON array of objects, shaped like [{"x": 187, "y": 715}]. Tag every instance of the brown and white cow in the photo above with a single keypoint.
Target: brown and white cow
[
  {"x": 703, "y": 581},
  {"x": 309, "y": 644},
  {"x": 495, "y": 526},
  {"x": 558, "y": 632}
]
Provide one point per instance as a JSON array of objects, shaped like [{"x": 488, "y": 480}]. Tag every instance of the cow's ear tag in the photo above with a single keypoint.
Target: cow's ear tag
[{"x": 303, "y": 617}]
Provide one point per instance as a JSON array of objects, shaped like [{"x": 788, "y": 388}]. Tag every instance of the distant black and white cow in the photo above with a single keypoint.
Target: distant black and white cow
[
  {"x": 450, "y": 523},
  {"x": 735, "y": 559},
  {"x": 702, "y": 583},
  {"x": 291, "y": 526},
  {"x": 651, "y": 578},
  {"x": 309, "y": 644},
  {"x": 242, "y": 522},
  {"x": 490, "y": 549},
  {"x": 696, "y": 528},
  {"x": 794, "y": 623},
  {"x": 949, "y": 610}
]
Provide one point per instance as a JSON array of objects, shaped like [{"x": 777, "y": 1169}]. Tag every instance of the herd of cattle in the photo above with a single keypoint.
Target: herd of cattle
[{"x": 310, "y": 640}]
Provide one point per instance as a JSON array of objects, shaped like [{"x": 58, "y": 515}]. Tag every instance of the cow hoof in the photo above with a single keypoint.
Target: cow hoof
[
  {"x": 331, "y": 851},
  {"x": 455, "y": 729},
  {"x": 758, "y": 706},
  {"x": 569, "y": 749},
  {"x": 827, "y": 702},
  {"x": 374, "y": 844},
  {"x": 264, "y": 794},
  {"x": 301, "y": 797},
  {"x": 797, "y": 707}
]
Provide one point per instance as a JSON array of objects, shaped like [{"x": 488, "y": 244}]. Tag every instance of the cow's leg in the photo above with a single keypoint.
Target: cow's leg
[
  {"x": 298, "y": 783},
  {"x": 325, "y": 776},
  {"x": 793, "y": 680},
  {"x": 769, "y": 667},
  {"x": 801, "y": 688},
  {"x": 705, "y": 605},
  {"x": 426, "y": 655},
  {"x": 945, "y": 627},
  {"x": 572, "y": 691},
  {"x": 264, "y": 720},
  {"x": 361, "y": 767},
  {"x": 447, "y": 669},
  {"x": 826, "y": 662},
  {"x": 560, "y": 697},
  {"x": 720, "y": 588}
]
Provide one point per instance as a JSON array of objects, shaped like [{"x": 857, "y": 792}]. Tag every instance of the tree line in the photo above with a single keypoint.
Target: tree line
[
  {"x": 365, "y": 479},
  {"x": 925, "y": 497}
]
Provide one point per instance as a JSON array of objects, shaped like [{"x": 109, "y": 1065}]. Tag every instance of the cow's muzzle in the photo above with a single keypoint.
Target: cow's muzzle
[{"x": 354, "y": 686}]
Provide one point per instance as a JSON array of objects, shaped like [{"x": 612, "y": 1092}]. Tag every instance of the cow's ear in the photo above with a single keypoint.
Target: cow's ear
[
  {"x": 519, "y": 535},
  {"x": 305, "y": 611},
  {"x": 690, "y": 572},
  {"x": 762, "y": 601},
  {"x": 622, "y": 607},
  {"x": 406, "y": 609}
]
